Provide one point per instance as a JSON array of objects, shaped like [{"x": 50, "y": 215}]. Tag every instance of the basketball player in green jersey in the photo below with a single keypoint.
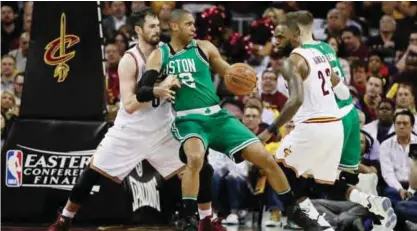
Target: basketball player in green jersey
[
  {"x": 200, "y": 122},
  {"x": 351, "y": 153}
]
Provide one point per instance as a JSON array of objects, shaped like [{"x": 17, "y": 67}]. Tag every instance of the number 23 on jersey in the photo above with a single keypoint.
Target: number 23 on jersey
[{"x": 323, "y": 79}]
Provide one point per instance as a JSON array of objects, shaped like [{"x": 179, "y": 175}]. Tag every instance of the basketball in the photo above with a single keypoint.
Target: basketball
[{"x": 240, "y": 79}]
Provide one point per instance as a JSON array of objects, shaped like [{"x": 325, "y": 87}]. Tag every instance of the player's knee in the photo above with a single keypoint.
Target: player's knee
[
  {"x": 194, "y": 150},
  {"x": 270, "y": 164},
  {"x": 195, "y": 161}
]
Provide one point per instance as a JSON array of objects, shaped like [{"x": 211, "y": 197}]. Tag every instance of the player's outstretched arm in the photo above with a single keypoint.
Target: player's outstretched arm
[
  {"x": 146, "y": 90},
  {"x": 127, "y": 76},
  {"x": 339, "y": 88},
  {"x": 217, "y": 63},
  {"x": 294, "y": 70}
]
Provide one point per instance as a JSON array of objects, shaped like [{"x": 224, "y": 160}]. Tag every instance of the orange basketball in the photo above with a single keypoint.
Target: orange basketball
[{"x": 240, "y": 79}]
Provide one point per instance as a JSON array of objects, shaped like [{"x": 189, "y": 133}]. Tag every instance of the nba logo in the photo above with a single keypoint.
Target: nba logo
[{"x": 14, "y": 170}]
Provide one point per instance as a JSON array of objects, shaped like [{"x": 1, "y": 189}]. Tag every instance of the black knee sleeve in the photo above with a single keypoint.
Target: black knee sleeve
[
  {"x": 349, "y": 178},
  {"x": 342, "y": 185},
  {"x": 85, "y": 183},
  {"x": 205, "y": 191},
  {"x": 298, "y": 184}
]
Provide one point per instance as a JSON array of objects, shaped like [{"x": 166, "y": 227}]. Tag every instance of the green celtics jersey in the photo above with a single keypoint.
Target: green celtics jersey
[
  {"x": 193, "y": 72},
  {"x": 328, "y": 51}
]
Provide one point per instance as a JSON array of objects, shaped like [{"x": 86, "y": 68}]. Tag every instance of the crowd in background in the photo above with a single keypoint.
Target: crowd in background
[{"x": 376, "y": 43}]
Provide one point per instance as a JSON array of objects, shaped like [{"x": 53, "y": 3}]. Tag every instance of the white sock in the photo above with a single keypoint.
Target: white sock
[
  {"x": 67, "y": 213},
  {"x": 358, "y": 197},
  {"x": 204, "y": 213}
]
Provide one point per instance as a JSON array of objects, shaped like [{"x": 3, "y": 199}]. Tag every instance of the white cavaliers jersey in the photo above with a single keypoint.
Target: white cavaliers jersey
[
  {"x": 148, "y": 120},
  {"x": 319, "y": 100}
]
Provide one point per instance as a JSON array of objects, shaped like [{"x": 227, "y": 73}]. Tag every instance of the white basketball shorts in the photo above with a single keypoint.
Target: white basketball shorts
[
  {"x": 314, "y": 149},
  {"x": 123, "y": 149}
]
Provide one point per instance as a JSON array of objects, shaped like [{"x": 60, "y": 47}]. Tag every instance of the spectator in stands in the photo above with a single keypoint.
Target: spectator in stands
[
  {"x": 8, "y": 67},
  {"x": 116, "y": 19},
  {"x": 8, "y": 103},
  {"x": 376, "y": 66},
  {"x": 137, "y": 5},
  {"x": 359, "y": 77},
  {"x": 387, "y": 40},
  {"x": 271, "y": 97},
  {"x": 411, "y": 58},
  {"x": 234, "y": 107},
  {"x": 27, "y": 23},
  {"x": 268, "y": 116},
  {"x": 407, "y": 210},
  {"x": 126, "y": 30},
  {"x": 412, "y": 48},
  {"x": 274, "y": 14},
  {"x": 403, "y": 12},
  {"x": 18, "y": 87},
  {"x": 255, "y": 117},
  {"x": 27, "y": 16},
  {"x": 335, "y": 24},
  {"x": 383, "y": 126},
  {"x": 370, "y": 101},
  {"x": 163, "y": 9},
  {"x": 252, "y": 118},
  {"x": 21, "y": 53},
  {"x": 355, "y": 48},
  {"x": 347, "y": 9},
  {"x": 404, "y": 98},
  {"x": 121, "y": 42},
  {"x": 334, "y": 42},
  {"x": 10, "y": 30},
  {"x": 395, "y": 163},
  {"x": 370, "y": 149},
  {"x": 411, "y": 62},
  {"x": 370, "y": 154},
  {"x": 112, "y": 56},
  {"x": 9, "y": 111},
  {"x": 28, "y": 8}
]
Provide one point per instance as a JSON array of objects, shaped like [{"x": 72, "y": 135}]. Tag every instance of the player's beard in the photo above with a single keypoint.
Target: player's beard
[
  {"x": 287, "y": 49},
  {"x": 153, "y": 40}
]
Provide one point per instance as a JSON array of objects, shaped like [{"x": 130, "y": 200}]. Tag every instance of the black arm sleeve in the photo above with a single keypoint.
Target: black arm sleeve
[{"x": 144, "y": 91}]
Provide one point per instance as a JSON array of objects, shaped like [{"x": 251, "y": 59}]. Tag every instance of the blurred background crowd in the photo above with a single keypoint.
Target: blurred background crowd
[{"x": 376, "y": 43}]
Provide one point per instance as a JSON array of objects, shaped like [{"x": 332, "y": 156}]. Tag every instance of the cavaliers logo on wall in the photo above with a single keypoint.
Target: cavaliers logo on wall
[{"x": 56, "y": 52}]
